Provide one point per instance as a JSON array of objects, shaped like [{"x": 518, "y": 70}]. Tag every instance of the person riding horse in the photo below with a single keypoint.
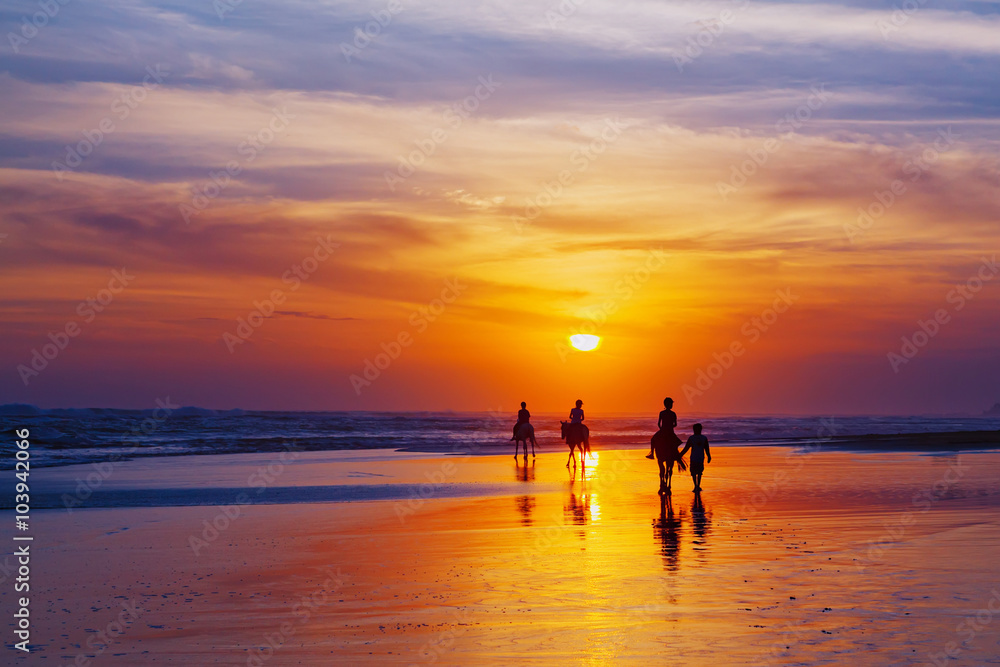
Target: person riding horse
[
  {"x": 523, "y": 417},
  {"x": 664, "y": 444},
  {"x": 576, "y": 432},
  {"x": 524, "y": 431}
]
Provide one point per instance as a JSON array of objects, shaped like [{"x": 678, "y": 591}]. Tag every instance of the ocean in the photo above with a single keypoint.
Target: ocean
[{"x": 71, "y": 436}]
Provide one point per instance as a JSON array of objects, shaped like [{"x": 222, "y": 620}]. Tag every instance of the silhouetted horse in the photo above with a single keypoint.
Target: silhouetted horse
[
  {"x": 665, "y": 443},
  {"x": 576, "y": 435},
  {"x": 525, "y": 432}
]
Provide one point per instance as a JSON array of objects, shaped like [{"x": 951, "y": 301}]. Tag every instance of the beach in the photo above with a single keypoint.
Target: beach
[
  {"x": 279, "y": 281},
  {"x": 789, "y": 556}
]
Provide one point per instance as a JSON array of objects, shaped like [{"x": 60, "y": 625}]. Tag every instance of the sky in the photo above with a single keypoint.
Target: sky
[{"x": 759, "y": 207}]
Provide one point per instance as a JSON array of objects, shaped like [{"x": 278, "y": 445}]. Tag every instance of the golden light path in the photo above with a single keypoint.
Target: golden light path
[{"x": 585, "y": 342}]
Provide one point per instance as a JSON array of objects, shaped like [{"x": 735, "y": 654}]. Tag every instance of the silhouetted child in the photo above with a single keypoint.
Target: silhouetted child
[
  {"x": 698, "y": 444},
  {"x": 667, "y": 420}
]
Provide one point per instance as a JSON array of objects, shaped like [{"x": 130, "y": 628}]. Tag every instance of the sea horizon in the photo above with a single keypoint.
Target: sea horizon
[
  {"x": 573, "y": 332},
  {"x": 9, "y": 409}
]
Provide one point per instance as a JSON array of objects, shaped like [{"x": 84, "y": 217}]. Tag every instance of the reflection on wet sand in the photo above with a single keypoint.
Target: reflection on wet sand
[
  {"x": 667, "y": 529},
  {"x": 577, "y": 508},
  {"x": 701, "y": 521},
  {"x": 606, "y": 574},
  {"x": 525, "y": 504},
  {"x": 792, "y": 579},
  {"x": 526, "y": 472}
]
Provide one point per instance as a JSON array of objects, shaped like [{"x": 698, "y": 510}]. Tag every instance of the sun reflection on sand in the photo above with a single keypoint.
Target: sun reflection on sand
[{"x": 585, "y": 568}]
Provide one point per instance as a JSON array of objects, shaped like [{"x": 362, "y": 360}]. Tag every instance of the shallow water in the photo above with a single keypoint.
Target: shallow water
[{"x": 64, "y": 437}]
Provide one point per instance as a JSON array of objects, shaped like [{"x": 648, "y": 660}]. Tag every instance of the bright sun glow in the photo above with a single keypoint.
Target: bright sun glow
[{"x": 585, "y": 342}]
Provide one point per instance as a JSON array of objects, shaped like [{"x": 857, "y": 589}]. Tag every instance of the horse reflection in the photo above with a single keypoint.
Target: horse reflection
[
  {"x": 576, "y": 509},
  {"x": 525, "y": 504},
  {"x": 667, "y": 529}
]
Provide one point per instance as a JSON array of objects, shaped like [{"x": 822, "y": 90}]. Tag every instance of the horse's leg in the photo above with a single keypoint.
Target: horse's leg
[
  {"x": 532, "y": 446},
  {"x": 516, "y": 442}
]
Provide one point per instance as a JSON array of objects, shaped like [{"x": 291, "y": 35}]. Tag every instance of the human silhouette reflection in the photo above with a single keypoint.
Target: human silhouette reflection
[
  {"x": 667, "y": 529},
  {"x": 701, "y": 522},
  {"x": 525, "y": 504}
]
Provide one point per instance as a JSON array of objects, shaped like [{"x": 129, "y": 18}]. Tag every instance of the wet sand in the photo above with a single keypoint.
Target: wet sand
[{"x": 786, "y": 558}]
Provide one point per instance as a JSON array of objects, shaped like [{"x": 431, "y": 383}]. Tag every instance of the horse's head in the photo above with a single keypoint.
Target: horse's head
[{"x": 563, "y": 428}]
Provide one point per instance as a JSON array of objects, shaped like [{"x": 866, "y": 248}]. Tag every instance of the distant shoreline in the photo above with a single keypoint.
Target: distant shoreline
[
  {"x": 898, "y": 442},
  {"x": 908, "y": 442},
  {"x": 945, "y": 441}
]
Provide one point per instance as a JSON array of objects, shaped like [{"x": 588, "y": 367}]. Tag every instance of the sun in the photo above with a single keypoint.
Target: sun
[{"x": 585, "y": 342}]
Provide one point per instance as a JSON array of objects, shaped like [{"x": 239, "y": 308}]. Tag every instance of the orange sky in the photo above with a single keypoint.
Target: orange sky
[{"x": 556, "y": 184}]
